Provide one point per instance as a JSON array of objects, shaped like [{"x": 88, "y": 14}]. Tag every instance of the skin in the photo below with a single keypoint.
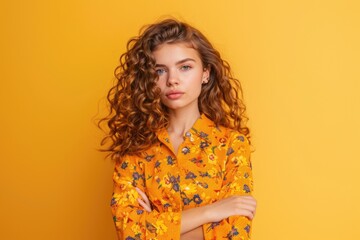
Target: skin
[{"x": 181, "y": 76}]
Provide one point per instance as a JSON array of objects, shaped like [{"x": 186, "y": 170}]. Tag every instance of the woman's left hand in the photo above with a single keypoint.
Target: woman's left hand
[{"x": 144, "y": 202}]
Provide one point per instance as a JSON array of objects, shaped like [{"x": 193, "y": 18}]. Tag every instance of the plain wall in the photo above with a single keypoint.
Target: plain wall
[{"x": 299, "y": 65}]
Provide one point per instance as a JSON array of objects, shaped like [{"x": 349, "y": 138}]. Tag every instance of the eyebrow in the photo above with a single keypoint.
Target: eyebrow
[{"x": 177, "y": 63}]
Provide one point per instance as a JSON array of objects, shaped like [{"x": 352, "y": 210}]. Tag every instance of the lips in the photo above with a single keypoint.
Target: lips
[{"x": 173, "y": 95}]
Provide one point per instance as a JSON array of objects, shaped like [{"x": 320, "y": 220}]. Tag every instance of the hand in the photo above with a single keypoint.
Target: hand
[
  {"x": 144, "y": 202},
  {"x": 232, "y": 206}
]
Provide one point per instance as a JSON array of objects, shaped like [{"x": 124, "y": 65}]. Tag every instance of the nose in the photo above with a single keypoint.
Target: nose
[{"x": 173, "y": 78}]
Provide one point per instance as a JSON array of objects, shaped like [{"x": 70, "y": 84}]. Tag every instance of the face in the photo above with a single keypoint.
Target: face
[{"x": 181, "y": 75}]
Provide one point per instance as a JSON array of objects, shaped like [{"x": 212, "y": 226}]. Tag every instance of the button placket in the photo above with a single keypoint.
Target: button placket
[{"x": 189, "y": 136}]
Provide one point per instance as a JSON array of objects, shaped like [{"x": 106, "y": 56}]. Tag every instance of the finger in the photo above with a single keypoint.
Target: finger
[
  {"x": 143, "y": 195},
  {"x": 253, "y": 212},
  {"x": 244, "y": 210},
  {"x": 239, "y": 202},
  {"x": 247, "y": 214},
  {"x": 250, "y": 216},
  {"x": 246, "y": 199},
  {"x": 246, "y": 196},
  {"x": 144, "y": 205},
  {"x": 246, "y": 207},
  {"x": 249, "y": 198},
  {"x": 145, "y": 200}
]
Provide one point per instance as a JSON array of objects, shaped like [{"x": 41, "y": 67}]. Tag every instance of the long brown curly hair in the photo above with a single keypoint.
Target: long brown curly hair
[{"x": 136, "y": 112}]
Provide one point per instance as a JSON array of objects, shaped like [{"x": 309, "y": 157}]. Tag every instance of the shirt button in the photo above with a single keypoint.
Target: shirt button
[{"x": 188, "y": 134}]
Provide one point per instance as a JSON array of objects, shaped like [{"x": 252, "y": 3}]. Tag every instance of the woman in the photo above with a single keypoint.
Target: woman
[{"x": 177, "y": 132}]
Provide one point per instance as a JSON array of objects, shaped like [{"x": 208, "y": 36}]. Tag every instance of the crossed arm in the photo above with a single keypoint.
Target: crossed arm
[{"x": 193, "y": 219}]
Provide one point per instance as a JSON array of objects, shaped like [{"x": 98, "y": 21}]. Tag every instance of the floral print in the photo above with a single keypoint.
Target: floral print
[{"x": 212, "y": 163}]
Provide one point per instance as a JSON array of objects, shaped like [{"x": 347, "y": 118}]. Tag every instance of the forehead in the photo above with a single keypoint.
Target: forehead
[{"x": 173, "y": 52}]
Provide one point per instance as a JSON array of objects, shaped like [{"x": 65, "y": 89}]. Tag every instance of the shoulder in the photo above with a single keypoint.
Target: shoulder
[
  {"x": 237, "y": 137},
  {"x": 237, "y": 144},
  {"x": 206, "y": 124},
  {"x": 225, "y": 135},
  {"x": 232, "y": 136},
  {"x": 142, "y": 159},
  {"x": 129, "y": 162}
]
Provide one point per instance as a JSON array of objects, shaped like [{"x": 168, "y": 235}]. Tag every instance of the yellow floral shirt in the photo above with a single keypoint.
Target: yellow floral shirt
[{"x": 212, "y": 163}]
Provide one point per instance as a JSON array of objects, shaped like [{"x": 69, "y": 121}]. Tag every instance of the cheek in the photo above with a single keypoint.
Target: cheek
[{"x": 160, "y": 83}]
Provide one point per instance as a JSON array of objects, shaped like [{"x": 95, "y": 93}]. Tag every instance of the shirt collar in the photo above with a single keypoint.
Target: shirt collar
[{"x": 201, "y": 129}]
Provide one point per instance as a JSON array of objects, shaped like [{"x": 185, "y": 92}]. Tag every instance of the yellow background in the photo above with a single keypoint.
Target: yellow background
[{"x": 299, "y": 65}]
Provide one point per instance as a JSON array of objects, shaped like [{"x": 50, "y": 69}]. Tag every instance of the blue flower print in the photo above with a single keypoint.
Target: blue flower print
[
  {"x": 241, "y": 138},
  {"x": 113, "y": 201},
  {"x": 185, "y": 150},
  {"x": 173, "y": 179},
  {"x": 212, "y": 226},
  {"x": 204, "y": 174},
  {"x": 124, "y": 165},
  {"x": 186, "y": 201},
  {"x": 170, "y": 160},
  {"x": 197, "y": 199},
  {"x": 203, "y": 184},
  {"x": 136, "y": 176},
  {"x": 176, "y": 187},
  {"x": 148, "y": 158},
  {"x": 190, "y": 175},
  {"x": 229, "y": 151},
  {"x": 233, "y": 232},
  {"x": 203, "y": 145},
  {"x": 246, "y": 188},
  {"x": 197, "y": 161},
  {"x": 203, "y": 135}
]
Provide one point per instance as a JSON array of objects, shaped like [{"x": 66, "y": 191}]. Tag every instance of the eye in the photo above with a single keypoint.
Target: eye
[
  {"x": 185, "y": 67},
  {"x": 160, "y": 71}
]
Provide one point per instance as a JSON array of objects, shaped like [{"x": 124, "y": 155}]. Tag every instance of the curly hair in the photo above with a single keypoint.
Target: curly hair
[{"x": 136, "y": 112}]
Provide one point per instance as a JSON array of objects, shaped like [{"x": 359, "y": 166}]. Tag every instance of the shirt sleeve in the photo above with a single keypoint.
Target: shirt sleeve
[
  {"x": 237, "y": 180},
  {"x": 131, "y": 220}
]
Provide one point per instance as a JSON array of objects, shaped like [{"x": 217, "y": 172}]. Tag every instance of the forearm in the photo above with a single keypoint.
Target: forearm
[
  {"x": 193, "y": 218},
  {"x": 215, "y": 212},
  {"x": 195, "y": 234}
]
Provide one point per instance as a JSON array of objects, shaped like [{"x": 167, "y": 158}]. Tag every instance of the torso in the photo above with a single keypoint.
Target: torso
[{"x": 187, "y": 171}]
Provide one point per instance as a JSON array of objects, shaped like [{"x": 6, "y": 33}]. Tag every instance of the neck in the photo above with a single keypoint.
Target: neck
[{"x": 180, "y": 121}]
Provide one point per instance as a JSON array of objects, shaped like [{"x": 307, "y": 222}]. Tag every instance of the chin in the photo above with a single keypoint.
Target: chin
[{"x": 172, "y": 107}]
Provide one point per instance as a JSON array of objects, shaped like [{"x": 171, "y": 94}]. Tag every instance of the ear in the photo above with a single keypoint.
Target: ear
[{"x": 206, "y": 75}]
